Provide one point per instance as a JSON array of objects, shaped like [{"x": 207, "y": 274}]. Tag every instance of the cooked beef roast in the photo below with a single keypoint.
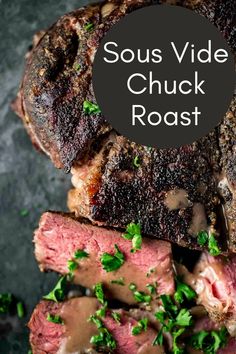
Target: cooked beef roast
[
  {"x": 74, "y": 336},
  {"x": 59, "y": 237},
  {"x": 173, "y": 194}
]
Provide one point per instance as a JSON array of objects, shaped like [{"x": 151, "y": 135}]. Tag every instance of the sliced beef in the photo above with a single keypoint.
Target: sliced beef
[
  {"x": 59, "y": 237},
  {"x": 214, "y": 280},
  {"x": 74, "y": 336}
]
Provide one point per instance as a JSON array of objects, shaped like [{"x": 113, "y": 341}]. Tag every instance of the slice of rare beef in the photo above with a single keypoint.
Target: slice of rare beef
[
  {"x": 59, "y": 237},
  {"x": 75, "y": 334}
]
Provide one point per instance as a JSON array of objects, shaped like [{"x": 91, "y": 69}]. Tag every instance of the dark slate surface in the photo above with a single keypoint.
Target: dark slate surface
[{"x": 28, "y": 180}]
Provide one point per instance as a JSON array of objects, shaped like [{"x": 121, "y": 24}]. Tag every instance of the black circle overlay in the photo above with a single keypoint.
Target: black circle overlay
[{"x": 156, "y": 27}]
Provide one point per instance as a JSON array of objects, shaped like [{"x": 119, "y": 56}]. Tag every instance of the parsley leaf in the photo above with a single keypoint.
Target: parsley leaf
[
  {"x": 213, "y": 246},
  {"x": 140, "y": 296},
  {"x": 96, "y": 321},
  {"x": 99, "y": 293},
  {"x": 183, "y": 291},
  {"x": 159, "y": 338},
  {"x": 55, "y": 319},
  {"x": 202, "y": 238},
  {"x": 77, "y": 66},
  {"x": 176, "y": 349},
  {"x": 20, "y": 310},
  {"x": 209, "y": 342},
  {"x": 24, "y": 212},
  {"x": 58, "y": 293},
  {"x": 72, "y": 265},
  {"x": 5, "y": 302},
  {"x": 104, "y": 339},
  {"x": 136, "y": 161},
  {"x": 169, "y": 305},
  {"x": 133, "y": 232},
  {"x": 119, "y": 281},
  {"x": 81, "y": 254},
  {"x": 184, "y": 318},
  {"x": 151, "y": 288},
  {"x": 90, "y": 108},
  {"x": 89, "y": 26},
  {"x": 141, "y": 326},
  {"x": 112, "y": 262},
  {"x": 116, "y": 316}
]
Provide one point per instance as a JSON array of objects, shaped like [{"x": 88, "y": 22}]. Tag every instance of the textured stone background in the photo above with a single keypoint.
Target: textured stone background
[{"x": 28, "y": 180}]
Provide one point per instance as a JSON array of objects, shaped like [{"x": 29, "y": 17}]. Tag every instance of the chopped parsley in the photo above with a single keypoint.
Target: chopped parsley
[
  {"x": 139, "y": 296},
  {"x": 55, "y": 319},
  {"x": 24, "y": 212},
  {"x": 174, "y": 321},
  {"x": 136, "y": 162},
  {"x": 116, "y": 316},
  {"x": 79, "y": 254},
  {"x": 89, "y": 26},
  {"x": 204, "y": 238},
  {"x": 151, "y": 288},
  {"x": 5, "y": 302},
  {"x": 209, "y": 342},
  {"x": 133, "y": 233},
  {"x": 104, "y": 338},
  {"x": 150, "y": 271},
  {"x": 58, "y": 293},
  {"x": 77, "y": 66},
  {"x": 72, "y": 265},
  {"x": 141, "y": 326},
  {"x": 90, "y": 108},
  {"x": 99, "y": 293},
  {"x": 213, "y": 246},
  {"x": 119, "y": 281},
  {"x": 102, "y": 311},
  {"x": 20, "y": 310},
  {"x": 112, "y": 262},
  {"x": 183, "y": 291}
]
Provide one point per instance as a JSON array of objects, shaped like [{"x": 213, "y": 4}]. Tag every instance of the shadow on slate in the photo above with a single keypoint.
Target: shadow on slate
[{"x": 28, "y": 180}]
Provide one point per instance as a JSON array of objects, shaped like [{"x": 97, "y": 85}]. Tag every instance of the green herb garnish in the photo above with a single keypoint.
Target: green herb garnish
[
  {"x": 213, "y": 246},
  {"x": 112, "y": 262},
  {"x": 133, "y": 232},
  {"x": 89, "y": 26},
  {"x": 209, "y": 342},
  {"x": 141, "y": 326},
  {"x": 159, "y": 338},
  {"x": 204, "y": 238},
  {"x": 140, "y": 296},
  {"x": 90, "y": 108},
  {"x": 116, "y": 316},
  {"x": 20, "y": 310},
  {"x": 72, "y": 265},
  {"x": 77, "y": 66},
  {"x": 183, "y": 291},
  {"x": 136, "y": 162},
  {"x": 24, "y": 212},
  {"x": 119, "y": 281},
  {"x": 99, "y": 293},
  {"x": 55, "y": 319},
  {"x": 103, "y": 340},
  {"x": 58, "y": 293},
  {"x": 79, "y": 254},
  {"x": 132, "y": 286},
  {"x": 5, "y": 302},
  {"x": 176, "y": 349},
  {"x": 151, "y": 288}
]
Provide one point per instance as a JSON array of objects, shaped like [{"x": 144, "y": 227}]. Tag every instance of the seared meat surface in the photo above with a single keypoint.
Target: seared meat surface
[
  {"x": 75, "y": 334},
  {"x": 59, "y": 237},
  {"x": 58, "y": 73}
]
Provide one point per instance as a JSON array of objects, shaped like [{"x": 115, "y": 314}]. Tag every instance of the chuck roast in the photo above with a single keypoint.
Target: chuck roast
[
  {"x": 74, "y": 335},
  {"x": 59, "y": 237}
]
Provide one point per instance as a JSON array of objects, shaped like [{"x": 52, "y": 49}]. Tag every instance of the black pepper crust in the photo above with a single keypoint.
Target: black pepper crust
[
  {"x": 52, "y": 93},
  {"x": 128, "y": 193}
]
